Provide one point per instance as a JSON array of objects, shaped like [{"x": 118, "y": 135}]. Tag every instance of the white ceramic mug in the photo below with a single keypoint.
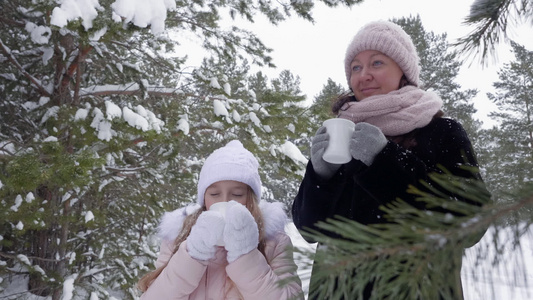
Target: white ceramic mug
[
  {"x": 340, "y": 132},
  {"x": 220, "y": 207}
]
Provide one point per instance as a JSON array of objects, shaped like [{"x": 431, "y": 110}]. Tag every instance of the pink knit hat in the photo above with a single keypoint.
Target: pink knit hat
[
  {"x": 389, "y": 39},
  {"x": 231, "y": 162}
]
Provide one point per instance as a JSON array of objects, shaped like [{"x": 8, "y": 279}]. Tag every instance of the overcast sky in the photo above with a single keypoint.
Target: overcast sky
[{"x": 315, "y": 52}]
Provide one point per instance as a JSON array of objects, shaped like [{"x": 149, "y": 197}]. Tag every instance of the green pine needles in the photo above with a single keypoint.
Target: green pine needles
[{"x": 417, "y": 254}]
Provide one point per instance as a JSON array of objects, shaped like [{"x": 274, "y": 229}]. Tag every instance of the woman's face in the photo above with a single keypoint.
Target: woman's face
[
  {"x": 374, "y": 73},
  {"x": 224, "y": 191}
]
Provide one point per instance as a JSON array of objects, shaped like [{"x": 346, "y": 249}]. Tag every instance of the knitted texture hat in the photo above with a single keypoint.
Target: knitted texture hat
[
  {"x": 389, "y": 39},
  {"x": 231, "y": 162}
]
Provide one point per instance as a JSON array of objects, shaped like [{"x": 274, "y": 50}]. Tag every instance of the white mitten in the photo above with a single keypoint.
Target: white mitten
[
  {"x": 201, "y": 242},
  {"x": 240, "y": 233}
]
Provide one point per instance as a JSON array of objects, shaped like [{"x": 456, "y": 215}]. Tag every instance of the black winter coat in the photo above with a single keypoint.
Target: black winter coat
[{"x": 357, "y": 191}]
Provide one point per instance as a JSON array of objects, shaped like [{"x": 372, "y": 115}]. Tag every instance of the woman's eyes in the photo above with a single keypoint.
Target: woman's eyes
[{"x": 375, "y": 63}]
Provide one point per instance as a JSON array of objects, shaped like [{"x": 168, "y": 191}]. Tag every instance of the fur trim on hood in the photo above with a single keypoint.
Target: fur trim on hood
[{"x": 274, "y": 219}]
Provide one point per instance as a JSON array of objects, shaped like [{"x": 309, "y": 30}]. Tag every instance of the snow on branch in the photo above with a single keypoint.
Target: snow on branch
[
  {"x": 13, "y": 60},
  {"x": 141, "y": 13},
  {"x": 127, "y": 89}
]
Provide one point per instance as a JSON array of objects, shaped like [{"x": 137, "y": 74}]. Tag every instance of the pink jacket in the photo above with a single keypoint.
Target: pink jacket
[{"x": 251, "y": 276}]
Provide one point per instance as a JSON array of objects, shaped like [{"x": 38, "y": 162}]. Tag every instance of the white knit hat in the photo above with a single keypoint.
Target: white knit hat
[
  {"x": 231, "y": 162},
  {"x": 389, "y": 39}
]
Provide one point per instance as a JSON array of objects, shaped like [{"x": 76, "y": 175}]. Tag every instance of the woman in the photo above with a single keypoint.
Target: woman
[
  {"x": 256, "y": 255},
  {"x": 400, "y": 138}
]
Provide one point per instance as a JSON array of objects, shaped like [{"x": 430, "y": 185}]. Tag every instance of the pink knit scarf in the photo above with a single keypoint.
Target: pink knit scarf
[{"x": 395, "y": 113}]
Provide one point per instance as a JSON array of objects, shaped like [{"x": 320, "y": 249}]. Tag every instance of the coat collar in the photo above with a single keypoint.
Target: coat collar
[{"x": 274, "y": 219}]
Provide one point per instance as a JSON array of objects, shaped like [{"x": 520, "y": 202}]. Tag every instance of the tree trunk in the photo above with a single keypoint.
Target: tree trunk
[{"x": 50, "y": 247}]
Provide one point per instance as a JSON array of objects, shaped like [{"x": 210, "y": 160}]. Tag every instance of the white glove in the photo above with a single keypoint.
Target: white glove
[
  {"x": 240, "y": 233},
  {"x": 201, "y": 242}
]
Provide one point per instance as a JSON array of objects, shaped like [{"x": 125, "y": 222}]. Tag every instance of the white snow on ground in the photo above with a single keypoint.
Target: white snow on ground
[
  {"x": 304, "y": 264},
  {"x": 511, "y": 278}
]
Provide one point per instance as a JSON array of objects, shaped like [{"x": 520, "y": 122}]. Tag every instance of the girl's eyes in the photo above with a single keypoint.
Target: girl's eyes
[
  {"x": 356, "y": 68},
  {"x": 234, "y": 195},
  {"x": 377, "y": 63}
]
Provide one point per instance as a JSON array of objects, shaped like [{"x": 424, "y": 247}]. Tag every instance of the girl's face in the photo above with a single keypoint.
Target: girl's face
[
  {"x": 224, "y": 191},
  {"x": 374, "y": 73}
]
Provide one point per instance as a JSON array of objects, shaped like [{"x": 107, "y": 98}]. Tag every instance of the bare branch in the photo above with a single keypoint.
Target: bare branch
[{"x": 5, "y": 255}]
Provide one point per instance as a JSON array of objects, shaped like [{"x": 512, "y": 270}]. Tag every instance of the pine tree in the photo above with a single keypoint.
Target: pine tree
[
  {"x": 284, "y": 163},
  {"x": 510, "y": 155},
  {"x": 97, "y": 135},
  {"x": 321, "y": 107},
  {"x": 439, "y": 69},
  {"x": 263, "y": 114}
]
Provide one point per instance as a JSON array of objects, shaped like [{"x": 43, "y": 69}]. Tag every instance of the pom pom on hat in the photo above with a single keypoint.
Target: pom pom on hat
[
  {"x": 389, "y": 39},
  {"x": 231, "y": 162}
]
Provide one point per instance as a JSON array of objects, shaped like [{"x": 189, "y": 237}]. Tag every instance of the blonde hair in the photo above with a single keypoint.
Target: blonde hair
[{"x": 252, "y": 205}]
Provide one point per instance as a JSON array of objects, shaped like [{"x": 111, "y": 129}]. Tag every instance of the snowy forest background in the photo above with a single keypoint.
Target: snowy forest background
[{"x": 103, "y": 128}]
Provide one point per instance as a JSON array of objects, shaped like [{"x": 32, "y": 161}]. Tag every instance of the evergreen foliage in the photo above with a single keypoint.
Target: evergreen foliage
[
  {"x": 439, "y": 69},
  {"x": 321, "y": 107},
  {"x": 508, "y": 147},
  {"x": 490, "y": 20},
  {"x": 103, "y": 128},
  {"x": 400, "y": 258}
]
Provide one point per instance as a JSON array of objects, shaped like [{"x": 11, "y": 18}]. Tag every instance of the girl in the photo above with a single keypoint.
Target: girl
[{"x": 256, "y": 255}]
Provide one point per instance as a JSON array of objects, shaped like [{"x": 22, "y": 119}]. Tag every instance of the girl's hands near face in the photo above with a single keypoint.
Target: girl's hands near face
[
  {"x": 241, "y": 234},
  {"x": 201, "y": 242}
]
